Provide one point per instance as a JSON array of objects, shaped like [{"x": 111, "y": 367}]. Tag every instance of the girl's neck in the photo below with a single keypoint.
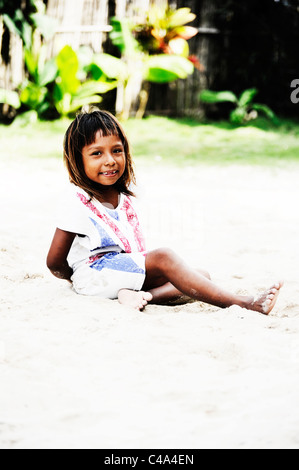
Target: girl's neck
[{"x": 109, "y": 197}]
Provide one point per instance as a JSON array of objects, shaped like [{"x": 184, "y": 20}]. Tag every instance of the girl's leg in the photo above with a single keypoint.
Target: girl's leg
[
  {"x": 164, "y": 266},
  {"x": 167, "y": 293},
  {"x": 162, "y": 293}
]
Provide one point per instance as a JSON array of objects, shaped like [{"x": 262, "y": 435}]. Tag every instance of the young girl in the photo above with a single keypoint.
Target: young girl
[{"x": 99, "y": 246}]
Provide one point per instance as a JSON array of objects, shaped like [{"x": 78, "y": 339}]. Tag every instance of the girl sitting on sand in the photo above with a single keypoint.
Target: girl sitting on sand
[{"x": 99, "y": 246}]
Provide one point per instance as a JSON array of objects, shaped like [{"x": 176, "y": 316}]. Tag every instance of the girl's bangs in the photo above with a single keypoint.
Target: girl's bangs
[{"x": 94, "y": 123}]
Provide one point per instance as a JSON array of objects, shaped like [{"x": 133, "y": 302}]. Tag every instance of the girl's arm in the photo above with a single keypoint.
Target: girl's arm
[{"x": 57, "y": 257}]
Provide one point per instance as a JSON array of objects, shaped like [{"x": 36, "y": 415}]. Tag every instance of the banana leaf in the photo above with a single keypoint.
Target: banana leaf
[
  {"x": 68, "y": 67},
  {"x": 166, "y": 68},
  {"x": 91, "y": 88},
  {"x": 110, "y": 66},
  {"x": 79, "y": 102}
]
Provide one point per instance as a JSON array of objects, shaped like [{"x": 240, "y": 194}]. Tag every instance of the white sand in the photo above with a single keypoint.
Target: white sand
[{"x": 80, "y": 372}]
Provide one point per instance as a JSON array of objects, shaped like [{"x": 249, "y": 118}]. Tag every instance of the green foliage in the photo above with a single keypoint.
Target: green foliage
[
  {"x": 166, "y": 68},
  {"x": 161, "y": 68},
  {"x": 121, "y": 36},
  {"x": 264, "y": 110},
  {"x": 22, "y": 18},
  {"x": 208, "y": 96},
  {"x": 138, "y": 65},
  {"x": 69, "y": 93},
  {"x": 10, "y": 97},
  {"x": 68, "y": 66},
  {"x": 60, "y": 85},
  {"x": 17, "y": 18},
  {"x": 34, "y": 94},
  {"x": 73, "y": 79},
  {"x": 164, "y": 31},
  {"x": 247, "y": 96},
  {"x": 179, "y": 17},
  {"x": 18, "y": 25},
  {"x": 245, "y": 110},
  {"x": 41, "y": 70},
  {"x": 107, "y": 67}
]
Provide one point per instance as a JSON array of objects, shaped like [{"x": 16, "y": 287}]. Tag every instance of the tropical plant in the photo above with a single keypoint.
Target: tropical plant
[
  {"x": 154, "y": 52},
  {"x": 165, "y": 32},
  {"x": 245, "y": 109},
  {"x": 57, "y": 87},
  {"x": 34, "y": 92},
  {"x": 70, "y": 93},
  {"x": 23, "y": 18},
  {"x": 28, "y": 20}
]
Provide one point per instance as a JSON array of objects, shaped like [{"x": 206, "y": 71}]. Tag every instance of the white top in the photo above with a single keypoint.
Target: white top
[{"x": 99, "y": 229}]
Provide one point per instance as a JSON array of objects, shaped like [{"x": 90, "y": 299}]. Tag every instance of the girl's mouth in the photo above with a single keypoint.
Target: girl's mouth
[{"x": 110, "y": 173}]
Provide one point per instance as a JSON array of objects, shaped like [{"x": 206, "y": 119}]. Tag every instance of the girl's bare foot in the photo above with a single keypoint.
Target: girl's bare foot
[
  {"x": 266, "y": 301},
  {"x": 131, "y": 298}
]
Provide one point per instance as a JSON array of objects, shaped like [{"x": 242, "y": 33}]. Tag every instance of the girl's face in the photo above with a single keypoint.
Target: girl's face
[{"x": 104, "y": 160}]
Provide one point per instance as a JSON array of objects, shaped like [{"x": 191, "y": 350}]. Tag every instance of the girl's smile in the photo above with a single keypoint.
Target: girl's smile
[
  {"x": 104, "y": 160},
  {"x": 110, "y": 174}
]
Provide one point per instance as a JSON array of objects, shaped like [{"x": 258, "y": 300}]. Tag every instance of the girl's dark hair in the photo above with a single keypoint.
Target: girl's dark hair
[{"x": 83, "y": 132}]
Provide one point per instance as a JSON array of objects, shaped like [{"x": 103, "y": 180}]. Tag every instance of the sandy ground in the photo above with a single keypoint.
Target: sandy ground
[{"x": 81, "y": 372}]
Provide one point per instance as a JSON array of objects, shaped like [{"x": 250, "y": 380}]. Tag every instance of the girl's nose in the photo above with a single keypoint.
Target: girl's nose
[{"x": 109, "y": 159}]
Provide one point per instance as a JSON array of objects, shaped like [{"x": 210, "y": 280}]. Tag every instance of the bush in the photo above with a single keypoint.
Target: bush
[{"x": 244, "y": 108}]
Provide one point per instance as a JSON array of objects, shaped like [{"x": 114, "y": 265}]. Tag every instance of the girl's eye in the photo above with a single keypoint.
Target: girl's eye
[{"x": 98, "y": 153}]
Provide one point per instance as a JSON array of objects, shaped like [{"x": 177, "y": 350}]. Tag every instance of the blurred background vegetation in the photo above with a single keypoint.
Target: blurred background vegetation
[{"x": 221, "y": 63}]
